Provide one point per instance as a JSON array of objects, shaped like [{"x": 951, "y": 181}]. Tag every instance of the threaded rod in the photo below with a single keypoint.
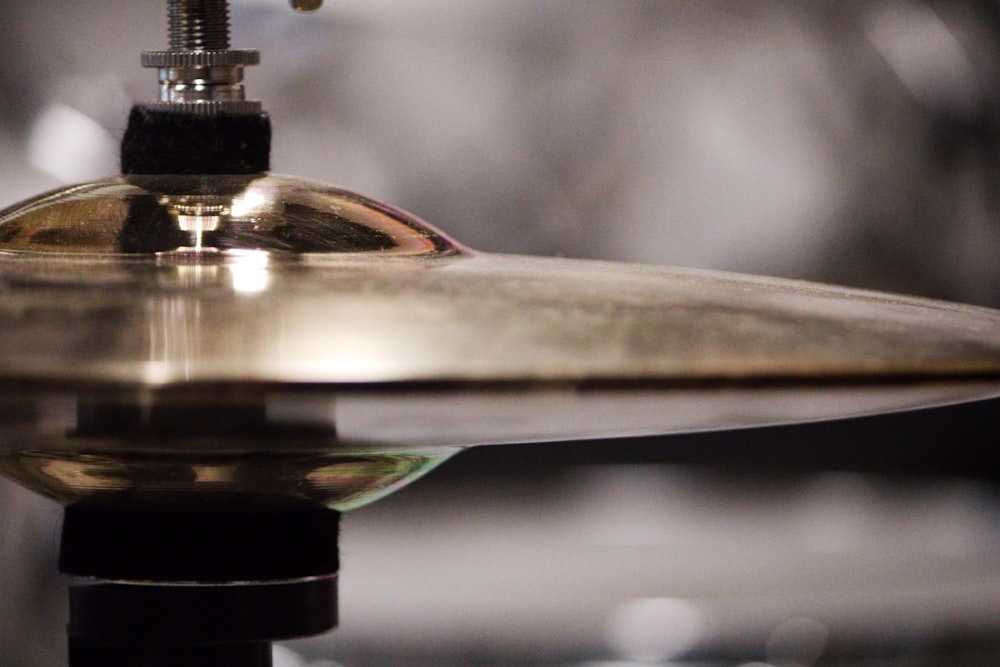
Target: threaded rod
[{"x": 198, "y": 25}]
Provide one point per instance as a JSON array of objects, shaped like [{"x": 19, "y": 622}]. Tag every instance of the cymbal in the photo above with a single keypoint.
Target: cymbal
[
  {"x": 313, "y": 306},
  {"x": 293, "y": 282}
]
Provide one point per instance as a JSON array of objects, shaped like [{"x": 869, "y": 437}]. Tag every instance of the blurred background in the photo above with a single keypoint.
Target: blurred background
[{"x": 847, "y": 142}]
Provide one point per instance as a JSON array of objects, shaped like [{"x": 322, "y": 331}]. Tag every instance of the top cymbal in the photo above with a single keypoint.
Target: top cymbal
[
  {"x": 282, "y": 280},
  {"x": 162, "y": 281}
]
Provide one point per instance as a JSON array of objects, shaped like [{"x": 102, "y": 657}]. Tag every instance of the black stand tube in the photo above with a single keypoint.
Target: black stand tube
[{"x": 91, "y": 654}]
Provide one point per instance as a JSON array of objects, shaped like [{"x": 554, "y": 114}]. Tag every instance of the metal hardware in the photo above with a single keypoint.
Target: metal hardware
[{"x": 200, "y": 73}]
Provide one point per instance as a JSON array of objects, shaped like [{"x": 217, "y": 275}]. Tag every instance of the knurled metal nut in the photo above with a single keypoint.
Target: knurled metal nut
[
  {"x": 209, "y": 107},
  {"x": 176, "y": 59}
]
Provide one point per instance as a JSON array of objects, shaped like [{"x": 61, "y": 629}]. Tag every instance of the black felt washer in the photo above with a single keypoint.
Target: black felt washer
[{"x": 172, "y": 142}]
